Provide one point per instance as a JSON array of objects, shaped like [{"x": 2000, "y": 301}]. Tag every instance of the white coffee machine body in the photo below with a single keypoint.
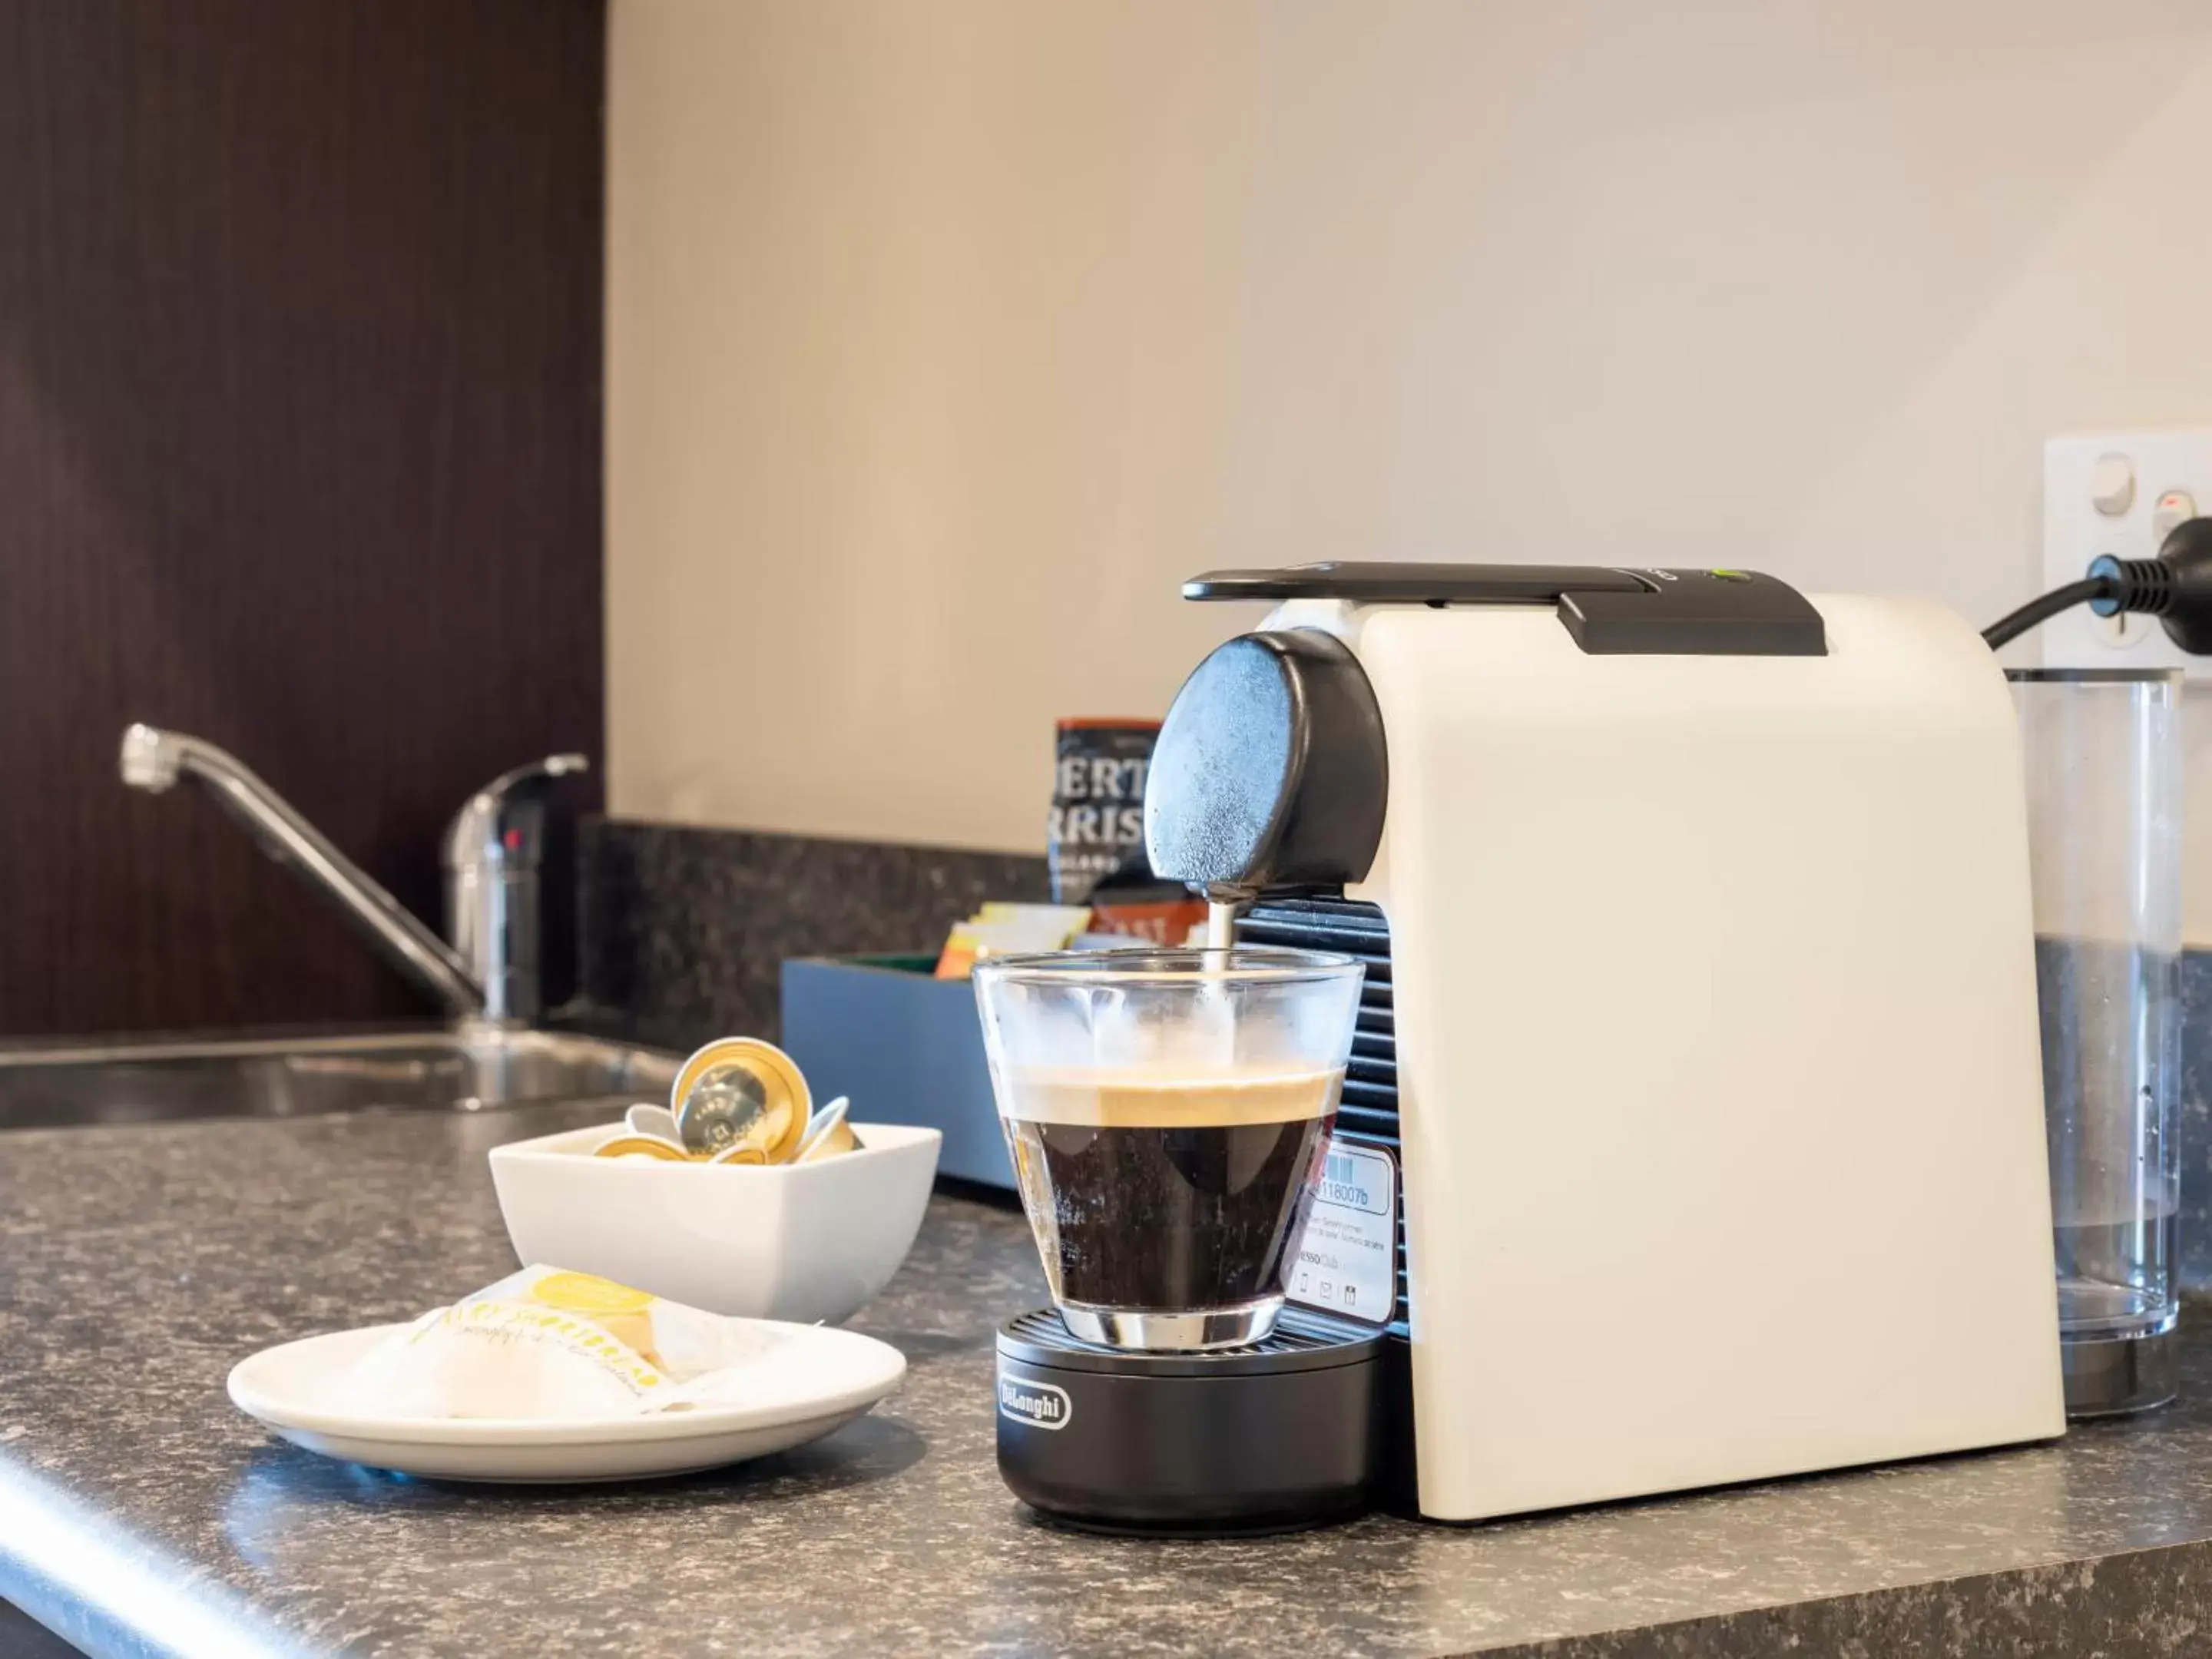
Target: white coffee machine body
[{"x": 1717, "y": 1073}]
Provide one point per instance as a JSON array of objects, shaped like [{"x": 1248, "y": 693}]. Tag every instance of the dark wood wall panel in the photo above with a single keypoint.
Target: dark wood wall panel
[{"x": 300, "y": 349}]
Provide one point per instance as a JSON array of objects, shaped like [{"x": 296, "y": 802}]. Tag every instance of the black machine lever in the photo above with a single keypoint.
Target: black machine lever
[
  {"x": 1378, "y": 583},
  {"x": 1608, "y": 611}
]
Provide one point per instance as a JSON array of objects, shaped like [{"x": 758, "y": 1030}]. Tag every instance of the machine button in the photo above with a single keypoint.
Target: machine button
[
  {"x": 2174, "y": 508},
  {"x": 1729, "y": 576}
]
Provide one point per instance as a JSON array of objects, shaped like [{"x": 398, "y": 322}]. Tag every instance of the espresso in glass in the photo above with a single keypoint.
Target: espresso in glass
[
  {"x": 1153, "y": 1192},
  {"x": 1168, "y": 1111}
]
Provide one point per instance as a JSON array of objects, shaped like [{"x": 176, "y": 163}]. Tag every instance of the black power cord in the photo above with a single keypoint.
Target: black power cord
[
  {"x": 2176, "y": 587},
  {"x": 2007, "y": 628}
]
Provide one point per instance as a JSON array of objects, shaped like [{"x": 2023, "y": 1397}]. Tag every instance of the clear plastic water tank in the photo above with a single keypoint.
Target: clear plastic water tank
[{"x": 2103, "y": 752}]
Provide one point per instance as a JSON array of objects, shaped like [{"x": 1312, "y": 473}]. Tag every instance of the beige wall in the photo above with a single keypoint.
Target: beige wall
[{"x": 946, "y": 336}]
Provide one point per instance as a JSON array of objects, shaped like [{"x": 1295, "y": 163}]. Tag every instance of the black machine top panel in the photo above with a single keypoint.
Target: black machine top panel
[{"x": 1608, "y": 612}]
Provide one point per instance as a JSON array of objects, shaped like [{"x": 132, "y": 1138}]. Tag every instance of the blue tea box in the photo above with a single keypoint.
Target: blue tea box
[{"x": 907, "y": 1047}]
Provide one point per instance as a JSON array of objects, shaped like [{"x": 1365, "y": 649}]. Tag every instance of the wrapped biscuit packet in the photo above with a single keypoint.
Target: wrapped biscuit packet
[
  {"x": 544, "y": 1343},
  {"x": 1005, "y": 930}
]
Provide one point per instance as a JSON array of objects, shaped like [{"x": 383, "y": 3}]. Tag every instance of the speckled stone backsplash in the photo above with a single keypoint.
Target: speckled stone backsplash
[{"x": 683, "y": 932}]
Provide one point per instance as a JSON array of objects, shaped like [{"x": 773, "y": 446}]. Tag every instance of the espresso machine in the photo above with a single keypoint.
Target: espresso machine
[{"x": 1698, "y": 1049}]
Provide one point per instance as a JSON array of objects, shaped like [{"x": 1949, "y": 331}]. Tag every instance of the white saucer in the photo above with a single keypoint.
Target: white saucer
[{"x": 819, "y": 1379}]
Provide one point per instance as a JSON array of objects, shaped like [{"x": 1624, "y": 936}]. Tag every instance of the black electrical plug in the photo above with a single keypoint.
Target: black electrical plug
[{"x": 2176, "y": 587}]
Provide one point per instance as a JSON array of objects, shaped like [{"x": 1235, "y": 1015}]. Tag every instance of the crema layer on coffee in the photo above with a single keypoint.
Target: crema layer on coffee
[{"x": 1145, "y": 1098}]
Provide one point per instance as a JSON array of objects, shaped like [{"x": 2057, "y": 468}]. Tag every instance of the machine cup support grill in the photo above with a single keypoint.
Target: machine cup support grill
[
  {"x": 1043, "y": 1327},
  {"x": 1368, "y": 1113}
]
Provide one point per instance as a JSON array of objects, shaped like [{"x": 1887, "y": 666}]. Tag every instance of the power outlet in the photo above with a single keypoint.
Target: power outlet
[{"x": 2117, "y": 493}]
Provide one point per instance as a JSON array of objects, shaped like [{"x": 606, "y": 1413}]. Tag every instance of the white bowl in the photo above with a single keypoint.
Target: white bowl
[{"x": 803, "y": 1242}]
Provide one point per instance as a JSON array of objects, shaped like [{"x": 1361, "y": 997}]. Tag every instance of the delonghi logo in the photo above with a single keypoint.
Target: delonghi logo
[{"x": 1038, "y": 1404}]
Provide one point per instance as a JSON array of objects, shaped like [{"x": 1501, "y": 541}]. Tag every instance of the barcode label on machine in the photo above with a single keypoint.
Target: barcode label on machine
[{"x": 1346, "y": 1260}]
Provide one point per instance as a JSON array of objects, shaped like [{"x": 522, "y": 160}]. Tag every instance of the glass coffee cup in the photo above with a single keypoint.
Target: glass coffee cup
[{"x": 1168, "y": 1112}]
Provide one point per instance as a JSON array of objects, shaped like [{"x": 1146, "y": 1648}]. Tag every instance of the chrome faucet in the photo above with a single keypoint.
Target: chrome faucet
[{"x": 493, "y": 849}]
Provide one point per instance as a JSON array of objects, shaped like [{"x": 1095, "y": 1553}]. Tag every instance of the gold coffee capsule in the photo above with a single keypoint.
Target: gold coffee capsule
[
  {"x": 740, "y": 1092},
  {"x": 629, "y": 1146},
  {"x": 828, "y": 1134},
  {"x": 839, "y": 1139},
  {"x": 757, "y": 1143}
]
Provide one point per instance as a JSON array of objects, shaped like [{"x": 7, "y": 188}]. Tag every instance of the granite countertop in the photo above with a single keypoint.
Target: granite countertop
[{"x": 139, "y": 1512}]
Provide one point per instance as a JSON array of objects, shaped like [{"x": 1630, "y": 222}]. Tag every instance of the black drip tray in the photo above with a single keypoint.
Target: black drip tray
[{"x": 1280, "y": 1435}]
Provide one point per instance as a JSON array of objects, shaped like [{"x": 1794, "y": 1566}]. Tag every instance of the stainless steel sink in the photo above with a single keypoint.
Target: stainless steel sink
[{"x": 450, "y": 1069}]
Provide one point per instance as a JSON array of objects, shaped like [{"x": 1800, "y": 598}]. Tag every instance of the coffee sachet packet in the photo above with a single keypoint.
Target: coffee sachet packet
[{"x": 1098, "y": 816}]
